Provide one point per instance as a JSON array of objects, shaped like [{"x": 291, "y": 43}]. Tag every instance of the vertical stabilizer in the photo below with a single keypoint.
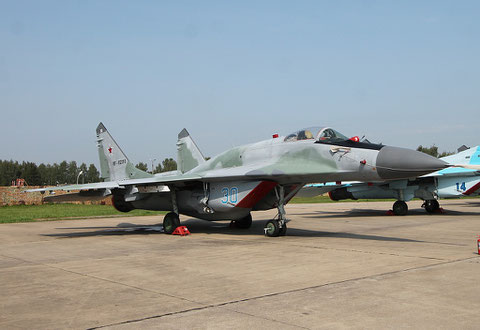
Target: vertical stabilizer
[
  {"x": 114, "y": 164},
  {"x": 189, "y": 156}
]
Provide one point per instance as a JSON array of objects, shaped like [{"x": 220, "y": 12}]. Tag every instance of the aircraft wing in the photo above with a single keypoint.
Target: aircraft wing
[
  {"x": 222, "y": 174},
  {"x": 243, "y": 173},
  {"x": 464, "y": 170},
  {"x": 87, "y": 186},
  {"x": 166, "y": 180},
  {"x": 464, "y": 163}
]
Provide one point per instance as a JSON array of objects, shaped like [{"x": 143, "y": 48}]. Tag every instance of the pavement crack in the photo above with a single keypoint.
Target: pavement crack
[
  {"x": 264, "y": 318},
  {"x": 373, "y": 252},
  {"x": 274, "y": 294},
  {"x": 361, "y": 251},
  {"x": 103, "y": 279}
]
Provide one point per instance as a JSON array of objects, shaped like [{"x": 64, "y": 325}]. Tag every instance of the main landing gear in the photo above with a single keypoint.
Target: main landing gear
[
  {"x": 172, "y": 219},
  {"x": 400, "y": 208},
  {"x": 171, "y": 222},
  {"x": 243, "y": 223},
  {"x": 278, "y": 227},
  {"x": 431, "y": 205}
]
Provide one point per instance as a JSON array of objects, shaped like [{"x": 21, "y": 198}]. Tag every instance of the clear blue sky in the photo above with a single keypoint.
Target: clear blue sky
[{"x": 404, "y": 73}]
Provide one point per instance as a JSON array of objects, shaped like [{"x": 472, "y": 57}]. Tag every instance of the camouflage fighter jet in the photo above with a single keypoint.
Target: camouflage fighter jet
[
  {"x": 460, "y": 180},
  {"x": 258, "y": 176}
]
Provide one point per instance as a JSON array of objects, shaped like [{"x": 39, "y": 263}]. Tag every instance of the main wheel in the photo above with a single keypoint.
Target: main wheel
[
  {"x": 118, "y": 202},
  {"x": 400, "y": 208},
  {"x": 170, "y": 222},
  {"x": 272, "y": 228},
  {"x": 431, "y": 205},
  {"x": 283, "y": 230},
  {"x": 244, "y": 223}
]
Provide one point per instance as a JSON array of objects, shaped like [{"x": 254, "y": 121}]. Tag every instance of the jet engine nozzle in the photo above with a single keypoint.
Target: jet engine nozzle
[{"x": 400, "y": 163}]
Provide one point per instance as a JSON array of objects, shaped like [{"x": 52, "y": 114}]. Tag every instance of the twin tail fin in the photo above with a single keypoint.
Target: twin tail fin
[
  {"x": 189, "y": 155},
  {"x": 114, "y": 164}
]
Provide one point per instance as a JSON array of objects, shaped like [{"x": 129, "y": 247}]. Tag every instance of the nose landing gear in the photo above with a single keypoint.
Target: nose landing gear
[{"x": 278, "y": 227}]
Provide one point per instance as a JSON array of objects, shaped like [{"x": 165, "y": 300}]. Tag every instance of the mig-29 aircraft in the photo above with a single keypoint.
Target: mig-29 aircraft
[
  {"x": 459, "y": 180},
  {"x": 258, "y": 176}
]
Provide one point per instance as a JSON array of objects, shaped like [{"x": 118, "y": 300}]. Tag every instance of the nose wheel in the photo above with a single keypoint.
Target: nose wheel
[{"x": 277, "y": 227}]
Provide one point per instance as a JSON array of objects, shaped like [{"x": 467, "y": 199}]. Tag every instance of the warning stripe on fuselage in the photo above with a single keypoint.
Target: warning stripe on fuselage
[
  {"x": 473, "y": 189},
  {"x": 256, "y": 195}
]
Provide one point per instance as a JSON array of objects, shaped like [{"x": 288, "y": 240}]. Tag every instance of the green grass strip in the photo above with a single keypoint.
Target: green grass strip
[{"x": 28, "y": 213}]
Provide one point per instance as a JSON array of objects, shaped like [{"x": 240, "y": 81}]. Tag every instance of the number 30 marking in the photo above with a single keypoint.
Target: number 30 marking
[{"x": 230, "y": 196}]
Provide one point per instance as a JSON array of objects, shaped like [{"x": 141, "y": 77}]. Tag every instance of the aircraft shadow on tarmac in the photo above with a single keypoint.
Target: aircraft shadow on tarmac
[
  {"x": 120, "y": 229},
  {"x": 358, "y": 213},
  {"x": 198, "y": 226}
]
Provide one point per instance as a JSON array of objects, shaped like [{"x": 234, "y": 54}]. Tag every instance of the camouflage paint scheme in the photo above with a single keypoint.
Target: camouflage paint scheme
[
  {"x": 258, "y": 176},
  {"x": 452, "y": 182}
]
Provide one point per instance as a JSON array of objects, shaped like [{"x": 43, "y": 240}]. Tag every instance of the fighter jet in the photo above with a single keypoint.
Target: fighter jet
[
  {"x": 259, "y": 176},
  {"x": 462, "y": 179}
]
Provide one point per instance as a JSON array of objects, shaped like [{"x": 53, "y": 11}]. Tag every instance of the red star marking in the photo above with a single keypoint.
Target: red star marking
[{"x": 110, "y": 150}]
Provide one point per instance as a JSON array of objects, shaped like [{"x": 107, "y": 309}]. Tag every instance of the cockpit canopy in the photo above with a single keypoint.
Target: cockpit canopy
[{"x": 320, "y": 134}]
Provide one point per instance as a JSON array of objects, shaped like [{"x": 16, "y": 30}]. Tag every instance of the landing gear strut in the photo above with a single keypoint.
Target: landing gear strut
[
  {"x": 431, "y": 205},
  {"x": 400, "y": 208},
  {"x": 278, "y": 227},
  {"x": 172, "y": 219}
]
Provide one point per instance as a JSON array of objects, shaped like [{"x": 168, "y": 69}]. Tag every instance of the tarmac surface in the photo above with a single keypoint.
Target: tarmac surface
[{"x": 341, "y": 265}]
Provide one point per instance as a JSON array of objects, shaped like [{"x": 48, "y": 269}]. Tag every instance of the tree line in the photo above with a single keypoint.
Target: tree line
[
  {"x": 168, "y": 164},
  {"x": 62, "y": 173},
  {"x": 433, "y": 151},
  {"x": 46, "y": 174}
]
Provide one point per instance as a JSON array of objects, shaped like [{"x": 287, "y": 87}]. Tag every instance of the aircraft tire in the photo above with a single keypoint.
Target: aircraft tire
[
  {"x": 244, "y": 223},
  {"x": 431, "y": 205},
  {"x": 170, "y": 222},
  {"x": 118, "y": 202},
  {"x": 400, "y": 208},
  {"x": 283, "y": 230},
  {"x": 272, "y": 228}
]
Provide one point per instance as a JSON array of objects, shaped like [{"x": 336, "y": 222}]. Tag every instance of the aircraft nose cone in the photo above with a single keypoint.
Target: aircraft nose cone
[{"x": 398, "y": 163}]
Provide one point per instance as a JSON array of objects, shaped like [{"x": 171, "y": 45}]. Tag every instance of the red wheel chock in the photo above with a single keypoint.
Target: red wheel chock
[{"x": 181, "y": 230}]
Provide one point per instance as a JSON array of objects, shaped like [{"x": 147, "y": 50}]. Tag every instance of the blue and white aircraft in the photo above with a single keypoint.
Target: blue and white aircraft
[{"x": 453, "y": 182}]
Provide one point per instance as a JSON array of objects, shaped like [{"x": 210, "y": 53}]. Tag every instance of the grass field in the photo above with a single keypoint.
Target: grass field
[{"x": 27, "y": 213}]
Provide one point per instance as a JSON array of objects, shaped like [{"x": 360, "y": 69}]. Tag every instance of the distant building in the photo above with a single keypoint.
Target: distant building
[{"x": 18, "y": 183}]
